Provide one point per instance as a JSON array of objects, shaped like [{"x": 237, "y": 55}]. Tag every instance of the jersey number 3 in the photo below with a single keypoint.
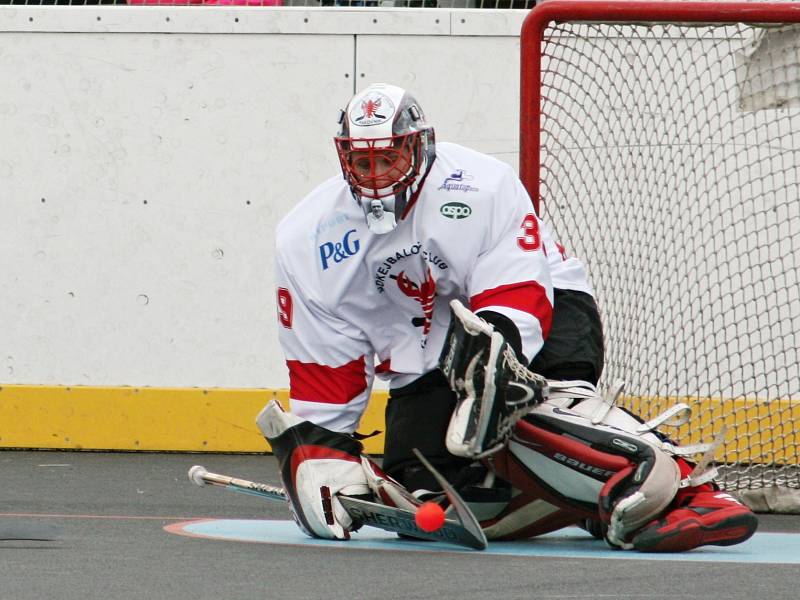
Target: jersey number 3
[{"x": 530, "y": 239}]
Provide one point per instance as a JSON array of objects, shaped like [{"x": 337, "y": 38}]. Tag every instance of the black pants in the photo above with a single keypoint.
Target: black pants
[
  {"x": 574, "y": 349},
  {"x": 417, "y": 415}
]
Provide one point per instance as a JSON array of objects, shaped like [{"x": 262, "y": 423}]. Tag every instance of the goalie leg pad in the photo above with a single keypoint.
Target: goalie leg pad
[
  {"x": 620, "y": 477},
  {"x": 698, "y": 514},
  {"x": 316, "y": 465},
  {"x": 492, "y": 387},
  {"x": 525, "y": 516},
  {"x": 557, "y": 465}
]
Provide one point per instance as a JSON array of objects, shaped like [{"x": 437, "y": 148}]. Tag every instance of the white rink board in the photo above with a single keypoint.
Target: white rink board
[
  {"x": 142, "y": 174},
  {"x": 479, "y": 111}
]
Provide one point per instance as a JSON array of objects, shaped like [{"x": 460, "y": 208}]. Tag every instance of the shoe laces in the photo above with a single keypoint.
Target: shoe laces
[{"x": 521, "y": 372}]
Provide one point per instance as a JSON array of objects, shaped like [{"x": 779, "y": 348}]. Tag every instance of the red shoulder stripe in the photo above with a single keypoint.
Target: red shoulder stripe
[{"x": 526, "y": 296}]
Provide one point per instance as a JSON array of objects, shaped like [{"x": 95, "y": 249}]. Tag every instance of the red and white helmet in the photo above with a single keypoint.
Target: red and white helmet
[{"x": 385, "y": 148}]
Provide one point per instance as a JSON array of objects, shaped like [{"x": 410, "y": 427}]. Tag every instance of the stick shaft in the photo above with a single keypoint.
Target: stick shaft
[{"x": 200, "y": 476}]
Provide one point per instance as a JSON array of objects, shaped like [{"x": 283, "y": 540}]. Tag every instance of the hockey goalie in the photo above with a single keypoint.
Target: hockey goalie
[{"x": 424, "y": 264}]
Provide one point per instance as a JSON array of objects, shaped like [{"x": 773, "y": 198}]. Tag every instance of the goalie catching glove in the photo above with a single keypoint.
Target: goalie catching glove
[{"x": 493, "y": 388}]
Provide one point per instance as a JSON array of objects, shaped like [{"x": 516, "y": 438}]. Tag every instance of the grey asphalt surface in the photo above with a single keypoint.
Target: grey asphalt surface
[{"x": 110, "y": 510}]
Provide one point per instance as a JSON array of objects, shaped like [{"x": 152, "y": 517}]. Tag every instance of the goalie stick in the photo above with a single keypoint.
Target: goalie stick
[{"x": 464, "y": 530}]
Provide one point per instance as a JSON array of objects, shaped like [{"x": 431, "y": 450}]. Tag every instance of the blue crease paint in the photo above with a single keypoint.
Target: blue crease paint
[{"x": 571, "y": 542}]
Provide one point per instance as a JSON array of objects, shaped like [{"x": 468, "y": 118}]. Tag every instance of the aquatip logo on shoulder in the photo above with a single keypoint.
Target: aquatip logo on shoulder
[
  {"x": 374, "y": 109},
  {"x": 339, "y": 251},
  {"x": 455, "y": 210},
  {"x": 458, "y": 181}
]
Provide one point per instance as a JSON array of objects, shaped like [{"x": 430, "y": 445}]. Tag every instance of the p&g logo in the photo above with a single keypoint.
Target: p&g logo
[
  {"x": 455, "y": 210},
  {"x": 338, "y": 251}
]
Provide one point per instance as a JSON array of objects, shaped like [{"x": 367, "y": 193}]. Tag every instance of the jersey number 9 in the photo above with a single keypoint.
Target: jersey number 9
[{"x": 284, "y": 302}]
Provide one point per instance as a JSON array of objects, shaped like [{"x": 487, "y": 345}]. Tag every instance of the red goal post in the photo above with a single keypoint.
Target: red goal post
[{"x": 662, "y": 141}]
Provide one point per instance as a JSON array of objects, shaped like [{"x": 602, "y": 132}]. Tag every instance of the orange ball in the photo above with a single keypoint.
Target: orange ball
[{"x": 429, "y": 517}]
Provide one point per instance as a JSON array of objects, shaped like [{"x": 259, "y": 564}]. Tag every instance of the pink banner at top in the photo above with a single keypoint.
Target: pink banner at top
[{"x": 209, "y": 2}]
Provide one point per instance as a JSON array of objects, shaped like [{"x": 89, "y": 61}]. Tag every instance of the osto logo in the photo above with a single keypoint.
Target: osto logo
[{"x": 455, "y": 210}]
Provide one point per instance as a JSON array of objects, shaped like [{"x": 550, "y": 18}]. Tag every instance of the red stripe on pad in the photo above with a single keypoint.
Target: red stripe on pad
[
  {"x": 330, "y": 385},
  {"x": 527, "y": 296},
  {"x": 312, "y": 452},
  {"x": 549, "y": 443}
]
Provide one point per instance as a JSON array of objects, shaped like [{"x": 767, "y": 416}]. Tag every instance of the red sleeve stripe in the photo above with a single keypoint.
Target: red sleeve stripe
[
  {"x": 331, "y": 385},
  {"x": 527, "y": 296},
  {"x": 384, "y": 367}
]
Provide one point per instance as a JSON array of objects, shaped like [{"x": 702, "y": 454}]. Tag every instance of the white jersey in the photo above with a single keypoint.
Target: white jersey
[{"x": 352, "y": 304}]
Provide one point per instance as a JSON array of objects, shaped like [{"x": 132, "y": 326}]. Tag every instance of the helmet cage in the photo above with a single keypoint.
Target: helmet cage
[{"x": 381, "y": 167}]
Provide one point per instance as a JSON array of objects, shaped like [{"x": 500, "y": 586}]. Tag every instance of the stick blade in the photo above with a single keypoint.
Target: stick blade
[
  {"x": 465, "y": 515},
  {"x": 399, "y": 520},
  {"x": 462, "y": 531}
]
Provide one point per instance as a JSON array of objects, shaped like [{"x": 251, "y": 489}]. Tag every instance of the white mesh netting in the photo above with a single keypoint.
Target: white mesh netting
[{"x": 670, "y": 161}]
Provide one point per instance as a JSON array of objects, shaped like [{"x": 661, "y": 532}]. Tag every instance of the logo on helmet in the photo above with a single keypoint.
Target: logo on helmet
[
  {"x": 374, "y": 109},
  {"x": 455, "y": 210}
]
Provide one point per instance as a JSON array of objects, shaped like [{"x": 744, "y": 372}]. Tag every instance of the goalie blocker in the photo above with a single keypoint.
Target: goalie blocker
[
  {"x": 577, "y": 452},
  {"x": 318, "y": 466}
]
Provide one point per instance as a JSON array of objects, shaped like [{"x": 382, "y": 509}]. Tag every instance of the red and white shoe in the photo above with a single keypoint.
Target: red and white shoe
[{"x": 699, "y": 516}]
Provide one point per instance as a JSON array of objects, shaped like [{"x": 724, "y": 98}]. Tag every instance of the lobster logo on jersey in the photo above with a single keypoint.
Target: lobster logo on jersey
[
  {"x": 423, "y": 292},
  {"x": 412, "y": 269},
  {"x": 373, "y": 110}
]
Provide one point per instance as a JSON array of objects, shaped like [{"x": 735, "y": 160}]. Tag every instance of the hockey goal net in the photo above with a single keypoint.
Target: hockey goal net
[{"x": 662, "y": 142}]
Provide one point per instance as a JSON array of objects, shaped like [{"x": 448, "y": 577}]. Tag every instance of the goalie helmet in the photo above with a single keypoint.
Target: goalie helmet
[{"x": 386, "y": 148}]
